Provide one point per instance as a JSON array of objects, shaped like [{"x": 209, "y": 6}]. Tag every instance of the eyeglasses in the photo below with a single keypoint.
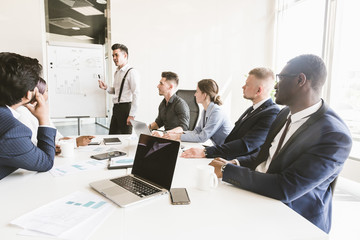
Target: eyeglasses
[{"x": 280, "y": 77}]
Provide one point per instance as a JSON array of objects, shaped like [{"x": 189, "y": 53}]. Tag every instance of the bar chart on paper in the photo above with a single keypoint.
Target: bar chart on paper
[
  {"x": 90, "y": 204},
  {"x": 76, "y": 168},
  {"x": 68, "y": 215}
]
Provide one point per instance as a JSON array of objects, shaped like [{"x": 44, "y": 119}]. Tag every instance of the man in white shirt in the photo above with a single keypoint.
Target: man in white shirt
[
  {"x": 304, "y": 151},
  {"x": 126, "y": 91}
]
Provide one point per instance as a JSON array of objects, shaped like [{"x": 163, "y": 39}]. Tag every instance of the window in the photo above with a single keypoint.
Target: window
[
  {"x": 300, "y": 27},
  {"x": 307, "y": 26},
  {"x": 344, "y": 94}
]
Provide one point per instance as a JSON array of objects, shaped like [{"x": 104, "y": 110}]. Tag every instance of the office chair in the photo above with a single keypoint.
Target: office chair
[
  {"x": 188, "y": 96},
  {"x": 332, "y": 185}
]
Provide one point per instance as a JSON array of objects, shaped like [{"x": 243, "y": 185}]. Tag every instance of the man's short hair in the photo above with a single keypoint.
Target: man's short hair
[
  {"x": 170, "y": 76},
  {"x": 18, "y": 75},
  {"x": 122, "y": 48},
  {"x": 312, "y": 66},
  {"x": 262, "y": 73}
]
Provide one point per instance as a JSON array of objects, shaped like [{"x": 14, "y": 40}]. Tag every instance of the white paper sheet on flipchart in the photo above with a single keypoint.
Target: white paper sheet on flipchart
[
  {"x": 89, "y": 164},
  {"x": 64, "y": 214},
  {"x": 82, "y": 231}
]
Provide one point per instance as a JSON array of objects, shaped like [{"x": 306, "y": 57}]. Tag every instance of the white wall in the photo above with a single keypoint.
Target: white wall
[
  {"x": 22, "y": 25},
  {"x": 199, "y": 39}
]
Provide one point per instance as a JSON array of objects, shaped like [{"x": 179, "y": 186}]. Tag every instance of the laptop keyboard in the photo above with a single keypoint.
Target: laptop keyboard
[{"x": 135, "y": 186}]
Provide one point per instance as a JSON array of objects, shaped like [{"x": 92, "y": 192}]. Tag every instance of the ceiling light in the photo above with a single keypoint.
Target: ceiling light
[
  {"x": 101, "y": 1},
  {"x": 82, "y": 37},
  {"x": 75, "y": 28},
  {"x": 67, "y": 23},
  {"x": 88, "y": 11}
]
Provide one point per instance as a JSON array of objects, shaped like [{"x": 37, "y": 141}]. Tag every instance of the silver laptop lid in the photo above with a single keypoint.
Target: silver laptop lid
[
  {"x": 155, "y": 160},
  {"x": 140, "y": 127}
]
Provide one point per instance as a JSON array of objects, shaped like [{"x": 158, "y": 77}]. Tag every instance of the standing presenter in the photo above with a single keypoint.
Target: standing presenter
[{"x": 126, "y": 91}]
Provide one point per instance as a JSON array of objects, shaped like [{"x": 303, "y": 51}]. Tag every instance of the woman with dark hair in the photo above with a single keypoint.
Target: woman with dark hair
[{"x": 213, "y": 124}]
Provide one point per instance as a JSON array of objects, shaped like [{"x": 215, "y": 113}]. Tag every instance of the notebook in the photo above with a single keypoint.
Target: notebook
[
  {"x": 151, "y": 175},
  {"x": 140, "y": 127}
]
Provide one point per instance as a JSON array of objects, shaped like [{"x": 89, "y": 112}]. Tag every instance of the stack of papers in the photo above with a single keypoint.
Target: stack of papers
[{"x": 75, "y": 216}]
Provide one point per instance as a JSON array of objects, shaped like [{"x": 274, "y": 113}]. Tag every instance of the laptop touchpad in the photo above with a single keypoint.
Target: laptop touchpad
[{"x": 115, "y": 190}]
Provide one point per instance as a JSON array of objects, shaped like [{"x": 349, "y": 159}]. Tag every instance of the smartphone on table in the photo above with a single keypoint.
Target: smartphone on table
[
  {"x": 108, "y": 155},
  {"x": 179, "y": 196}
]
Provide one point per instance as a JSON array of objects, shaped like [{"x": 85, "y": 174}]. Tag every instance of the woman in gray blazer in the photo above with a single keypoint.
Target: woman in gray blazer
[{"x": 214, "y": 123}]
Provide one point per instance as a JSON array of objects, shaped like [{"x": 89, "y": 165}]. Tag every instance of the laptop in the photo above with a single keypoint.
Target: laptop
[
  {"x": 140, "y": 127},
  {"x": 151, "y": 175}
]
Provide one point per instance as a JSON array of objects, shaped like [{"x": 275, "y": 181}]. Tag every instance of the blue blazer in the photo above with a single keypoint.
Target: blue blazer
[
  {"x": 213, "y": 124},
  {"x": 301, "y": 174},
  {"x": 17, "y": 150},
  {"x": 248, "y": 134}
]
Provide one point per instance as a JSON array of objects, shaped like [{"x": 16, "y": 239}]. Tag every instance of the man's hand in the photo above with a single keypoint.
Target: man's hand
[
  {"x": 156, "y": 134},
  {"x": 217, "y": 163},
  {"x": 128, "y": 120},
  {"x": 83, "y": 140},
  {"x": 40, "y": 109},
  {"x": 57, "y": 149},
  {"x": 193, "y": 153},
  {"x": 102, "y": 85}
]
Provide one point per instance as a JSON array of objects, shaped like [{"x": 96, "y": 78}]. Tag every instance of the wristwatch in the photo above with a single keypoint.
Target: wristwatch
[{"x": 223, "y": 167}]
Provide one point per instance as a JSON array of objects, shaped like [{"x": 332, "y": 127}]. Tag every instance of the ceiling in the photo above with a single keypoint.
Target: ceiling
[{"x": 63, "y": 19}]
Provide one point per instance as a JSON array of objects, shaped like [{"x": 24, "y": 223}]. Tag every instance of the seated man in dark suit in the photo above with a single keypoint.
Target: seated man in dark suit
[
  {"x": 18, "y": 77},
  {"x": 250, "y": 130},
  {"x": 300, "y": 159}
]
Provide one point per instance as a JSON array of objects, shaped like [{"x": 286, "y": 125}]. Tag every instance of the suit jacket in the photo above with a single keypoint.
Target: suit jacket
[
  {"x": 248, "y": 134},
  {"x": 17, "y": 150},
  {"x": 301, "y": 174}
]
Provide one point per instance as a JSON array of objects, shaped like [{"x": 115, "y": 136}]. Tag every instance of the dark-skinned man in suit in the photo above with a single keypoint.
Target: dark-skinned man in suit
[{"x": 304, "y": 151}]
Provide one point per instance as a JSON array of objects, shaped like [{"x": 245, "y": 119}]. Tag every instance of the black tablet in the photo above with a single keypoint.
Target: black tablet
[
  {"x": 108, "y": 155},
  {"x": 111, "y": 141}
]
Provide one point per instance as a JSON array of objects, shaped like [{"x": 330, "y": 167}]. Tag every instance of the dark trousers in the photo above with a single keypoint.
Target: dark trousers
[{"x": 118, "y": 120}]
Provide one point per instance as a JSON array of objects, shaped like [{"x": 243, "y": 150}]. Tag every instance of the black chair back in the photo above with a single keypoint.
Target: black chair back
[
  {"x": 188, "y": 96},
  {"x": 332, "y": 185}
]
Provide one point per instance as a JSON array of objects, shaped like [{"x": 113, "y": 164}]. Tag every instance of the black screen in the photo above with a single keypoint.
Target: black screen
[{"x": 155, "y": 160}]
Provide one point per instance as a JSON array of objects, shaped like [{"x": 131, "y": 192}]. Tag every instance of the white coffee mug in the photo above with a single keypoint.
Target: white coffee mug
[
  {"x": 67, "y": 148},
  {"x": 206, "y": 179}
]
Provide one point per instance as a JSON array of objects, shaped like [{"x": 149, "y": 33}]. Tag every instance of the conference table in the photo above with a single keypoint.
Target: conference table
[{"x": 226, "y": 212}]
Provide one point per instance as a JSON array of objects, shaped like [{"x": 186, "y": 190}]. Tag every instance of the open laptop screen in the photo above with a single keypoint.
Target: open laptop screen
[{"x": 155, "y": 160}]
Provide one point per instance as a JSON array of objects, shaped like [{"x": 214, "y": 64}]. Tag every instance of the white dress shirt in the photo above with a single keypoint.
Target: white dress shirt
[
  {"x": 297, "y": 120},
  {"x": 130, "y": 91},
  {"x": 255, "y": 106}
]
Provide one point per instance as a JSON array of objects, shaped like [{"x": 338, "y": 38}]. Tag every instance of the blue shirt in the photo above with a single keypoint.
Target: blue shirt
[{"x": 214, "y": 124}]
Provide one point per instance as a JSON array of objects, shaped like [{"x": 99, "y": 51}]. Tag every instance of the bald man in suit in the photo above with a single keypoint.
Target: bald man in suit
[{"x": 250, "y": 130}]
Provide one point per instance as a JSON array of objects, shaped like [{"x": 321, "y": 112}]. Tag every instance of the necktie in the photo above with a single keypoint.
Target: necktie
[
  {"x": 282, "y": 137},
  {"x": 248, "y": 111}
]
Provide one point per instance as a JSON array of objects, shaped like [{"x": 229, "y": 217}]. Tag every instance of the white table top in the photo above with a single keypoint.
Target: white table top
[{"x": 226, "y": 212}]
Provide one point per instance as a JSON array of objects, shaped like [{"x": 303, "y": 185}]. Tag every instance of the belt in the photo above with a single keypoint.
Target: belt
[{"x": 122, "y": 103}]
